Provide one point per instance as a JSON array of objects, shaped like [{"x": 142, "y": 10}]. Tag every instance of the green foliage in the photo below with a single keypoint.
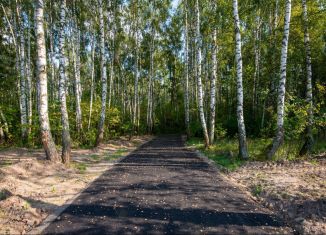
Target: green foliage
[{"x": 296, "y": 119}]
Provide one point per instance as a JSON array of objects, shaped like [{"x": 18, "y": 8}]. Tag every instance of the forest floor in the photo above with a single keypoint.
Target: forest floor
[
  {"x": 296, "y": 190},
  {"x": 31, "y": 188}
]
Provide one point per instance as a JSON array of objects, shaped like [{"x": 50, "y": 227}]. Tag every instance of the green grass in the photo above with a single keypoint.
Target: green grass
[
  {"x": 224, "y": 152},
  {"x": 95, "y": 157},
  {"x": 81, "y": 167},
  {"x": 119, "y": 153}
]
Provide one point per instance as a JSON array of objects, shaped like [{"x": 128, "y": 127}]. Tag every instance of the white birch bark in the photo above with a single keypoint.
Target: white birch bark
[
  {"x": 186, "y": 96},
  {"x": 29, "y": 81},
  {"x": 92, "y": 83},
  {"x": 150, "y": 86},
  {"x": 22, "y": 86},
  {"x": 278, "y": 140},
  {"x": 212, "y": 104},
  {"x": 48, "y": 144},
  {"x": 136, "y": 95},
  {"x": 257, "y": 63},
  {"x": 243, "y": 152},
  {"x": 309, "y": 140},
  {"x": 78, "y": 89},
  {"x": 100, "y": 133},
  {"x": 199, "y": 81},
  {"x": 66, "y": 145}
]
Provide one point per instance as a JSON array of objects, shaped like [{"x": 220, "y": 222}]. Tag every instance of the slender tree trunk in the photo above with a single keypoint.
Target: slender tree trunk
[
  {"x": 66, "y": 146},
  {"x": 309, "y": 140},
  {"x": 48, "y": 144},
  {"x": 279, "y": 138},
  {"x": 186, "y": 96},
  {"x": 213, "y": 90},
  {"x": 100, "y": 133},
  {"x": 150, "y": 87},
  {"x": 257, "y": 64},
  {"x": 78, "y": 89},
  {"x": 29, "y": 81},
  {"x": 199, "y": 75},
  {"x": 23, "y": 88},
  {"x": 136, "y": 95},
  {"x": 92, "y": 84},
  {"x": 243, "y": 152}
]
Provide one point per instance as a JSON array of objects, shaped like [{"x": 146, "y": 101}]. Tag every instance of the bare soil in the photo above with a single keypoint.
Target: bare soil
[
  {"x": 296, "y": 190},
  {"x": 31, "y": 188}
]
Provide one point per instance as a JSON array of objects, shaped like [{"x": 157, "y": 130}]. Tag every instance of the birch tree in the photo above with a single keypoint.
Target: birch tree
[
  {"x": 213, "y": 87},
  {"x": 66, "y": 145},
  {"x": 309, "y": 140},
  {"x": 199, "y": 81},
  {"x": 78, "y": 89},
  {"x": 46, "y": 136},
  {"x": 22, "y": 90},
  {"x": 186, "y": 59},
  {"x": 243, "y": 152},
  {"x": 279, "y": 138},
  {"x": 100, "y": 131}
]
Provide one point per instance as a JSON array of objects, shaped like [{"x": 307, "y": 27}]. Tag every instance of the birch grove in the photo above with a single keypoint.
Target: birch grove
[{"x": 98, "y": 70}]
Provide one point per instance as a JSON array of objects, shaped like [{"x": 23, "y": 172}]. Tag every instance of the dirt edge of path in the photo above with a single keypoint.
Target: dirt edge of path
[
  {"x": 295, "y": 191},
  {"x": 33, "y": 191}
]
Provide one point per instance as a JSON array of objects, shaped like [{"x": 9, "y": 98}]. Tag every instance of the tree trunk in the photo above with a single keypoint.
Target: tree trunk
[
  {"x": 29, "y": 81},
  {"x": 136, "y": 89},
  {"x": 150, "y": 86},
  {"x": 309, "y": 140},
  {"x": 92, "y": 84},
  {"x": 78, "y": 89},
  {"x": 100, "y": 132},
  {"x": 213, "y": 91},
  {"x": 22, "y": 86},
  {"x": 257, "y": 65},
  {"x": 199, "y": 81},
  {"x": 243, "y": 152},
  {"x": 186, "y": 96},
  {"x": 66, "y": 146},
  {"x": 48, "y": 144},
  {"x": 279, "y": 138}
]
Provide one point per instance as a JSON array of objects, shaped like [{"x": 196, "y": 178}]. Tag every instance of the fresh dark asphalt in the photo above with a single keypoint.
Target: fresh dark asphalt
[{"x": 164, "y": 188}]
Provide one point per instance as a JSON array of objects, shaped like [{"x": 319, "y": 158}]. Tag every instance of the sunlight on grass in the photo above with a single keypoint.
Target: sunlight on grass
[
  {"x": 224, "y": 152},
  {"x": 119, "y": 153}
]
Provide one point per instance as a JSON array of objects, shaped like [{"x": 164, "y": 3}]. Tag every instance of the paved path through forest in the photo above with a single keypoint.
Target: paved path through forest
[{"x": 164, "y": 188}]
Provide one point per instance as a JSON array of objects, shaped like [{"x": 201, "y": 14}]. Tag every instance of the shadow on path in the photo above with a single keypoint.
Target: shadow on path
[{"x": 164, "y": 188}]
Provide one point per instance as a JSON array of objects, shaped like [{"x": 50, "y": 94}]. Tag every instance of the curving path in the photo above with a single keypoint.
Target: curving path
[{"x": 164, "y": 188}]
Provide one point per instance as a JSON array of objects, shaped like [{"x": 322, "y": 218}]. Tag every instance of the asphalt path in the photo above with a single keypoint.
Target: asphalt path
[{"x": 165, "y": 188}]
